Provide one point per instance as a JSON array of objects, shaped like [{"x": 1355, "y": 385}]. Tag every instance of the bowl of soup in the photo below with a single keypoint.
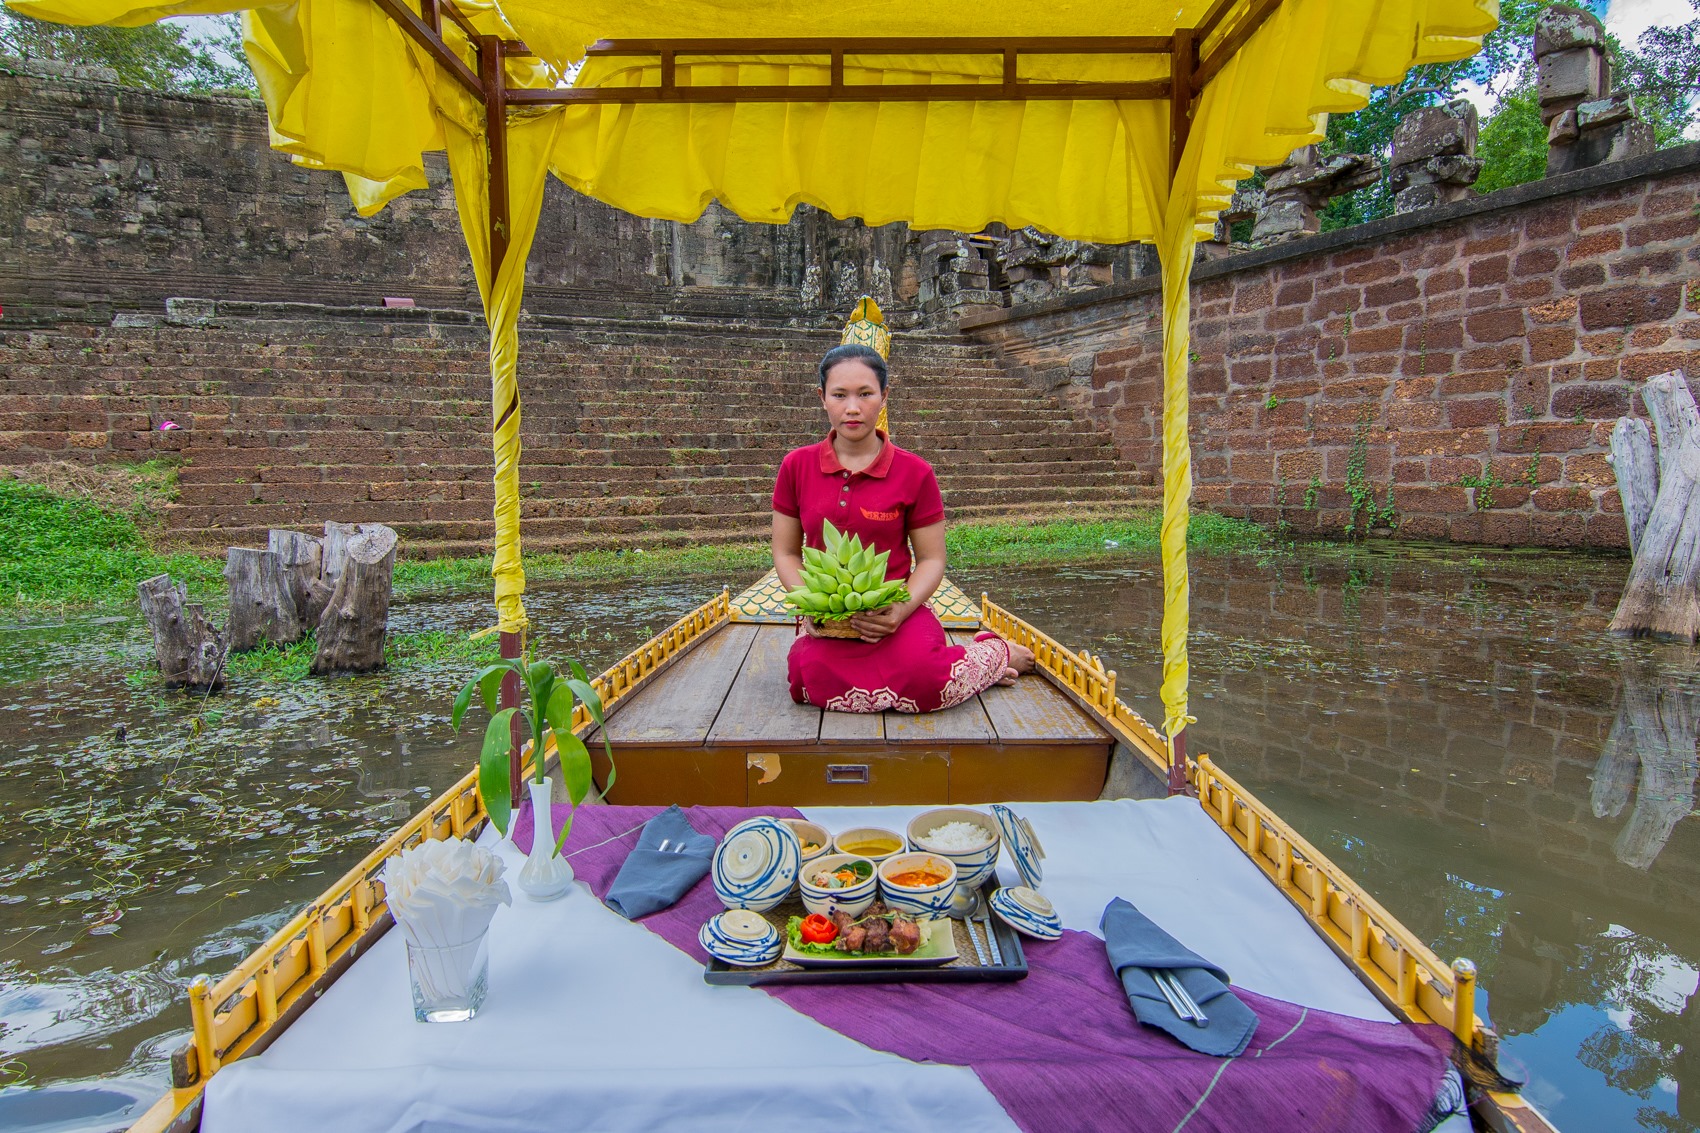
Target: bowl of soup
[
  {"x": 919, "y": 883},
  {"x": 871, "y": 842}
]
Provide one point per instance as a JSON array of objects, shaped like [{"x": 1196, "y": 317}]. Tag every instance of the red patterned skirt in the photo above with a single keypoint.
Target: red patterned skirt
[{"x": 913, "y": 670}]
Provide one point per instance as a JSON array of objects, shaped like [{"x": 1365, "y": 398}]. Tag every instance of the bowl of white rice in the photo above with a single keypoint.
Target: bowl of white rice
[{"x": 968, "y": 837}]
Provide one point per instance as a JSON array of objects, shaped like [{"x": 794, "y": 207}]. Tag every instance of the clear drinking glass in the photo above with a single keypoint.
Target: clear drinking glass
[{"x": 449, "y": 984}]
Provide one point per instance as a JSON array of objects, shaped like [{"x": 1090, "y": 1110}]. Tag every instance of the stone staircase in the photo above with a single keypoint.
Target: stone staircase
[{"x": 633, "y": 433}]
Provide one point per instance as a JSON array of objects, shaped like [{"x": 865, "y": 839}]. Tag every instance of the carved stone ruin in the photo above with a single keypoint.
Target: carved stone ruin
[
  {"x": 1661, "y": 507},
  {"x": 955, "y": 275},
  {"x": 1586, "y": 124},
  {"x": 1037, "y": 265},
  {"x": 186, "y": 645},
  {"x": 1434, "y": 160},
  {"x": 1244, "y": 205},
  {"x": 1296, "y": 189},
  {"x": 361, "y": 561}
]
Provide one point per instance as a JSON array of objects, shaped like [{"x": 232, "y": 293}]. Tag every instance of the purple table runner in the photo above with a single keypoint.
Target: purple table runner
[{"x": 1061, "y": 1050}]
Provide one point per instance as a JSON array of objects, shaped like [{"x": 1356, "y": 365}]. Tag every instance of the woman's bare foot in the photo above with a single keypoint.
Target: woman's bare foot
[{"x": 1020, "y": 661}]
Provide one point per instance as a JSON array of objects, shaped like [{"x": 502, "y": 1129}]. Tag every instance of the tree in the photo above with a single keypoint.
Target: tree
[
  {"x": 1513, "y": 142},
  {"x": 1661, "y": 75},
  {"x": 161, "y": 56}
]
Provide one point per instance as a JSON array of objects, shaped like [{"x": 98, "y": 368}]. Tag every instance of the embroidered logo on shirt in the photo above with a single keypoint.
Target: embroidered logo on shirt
[{"x": 895, "y": 514}]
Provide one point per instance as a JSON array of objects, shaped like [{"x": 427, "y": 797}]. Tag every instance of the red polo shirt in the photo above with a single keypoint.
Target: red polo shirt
[{"x": 882, "y": 503}]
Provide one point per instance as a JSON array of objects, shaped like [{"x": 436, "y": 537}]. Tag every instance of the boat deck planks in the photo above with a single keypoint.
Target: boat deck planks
[
  {"x": 691, "y": 694},
  {"x": 720, "y": 728},
  {"x": 759, "y": 708}
]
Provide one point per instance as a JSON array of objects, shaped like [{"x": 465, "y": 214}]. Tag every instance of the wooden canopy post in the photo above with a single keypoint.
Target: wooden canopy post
[{"x": 492, "y": 79}]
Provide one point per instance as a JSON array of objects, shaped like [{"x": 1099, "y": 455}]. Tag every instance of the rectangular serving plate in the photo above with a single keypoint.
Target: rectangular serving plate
[
  {"x": 939, "y": 947},
  {"x": 963, "y": 968}
]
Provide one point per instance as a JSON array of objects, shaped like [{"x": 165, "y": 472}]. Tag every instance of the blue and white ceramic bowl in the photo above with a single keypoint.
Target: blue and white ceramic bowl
[
  {"x": 1027, "y": 911},
  {"x": 740, "y": 938},
  {"x": 853, "y": 899},
  {"x": 756, "y": 864},
  {"x": 918, "y": 900},
  {"x": 973, "y": 866},
  {"x": 1023, "y": 844}
]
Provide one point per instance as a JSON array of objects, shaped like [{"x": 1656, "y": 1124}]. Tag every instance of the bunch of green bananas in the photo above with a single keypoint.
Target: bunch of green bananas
[{"x": 844, "y": 579}]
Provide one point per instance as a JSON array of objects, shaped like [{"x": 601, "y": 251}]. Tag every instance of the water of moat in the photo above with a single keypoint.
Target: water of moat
[{"x": 1437, "y": 721}]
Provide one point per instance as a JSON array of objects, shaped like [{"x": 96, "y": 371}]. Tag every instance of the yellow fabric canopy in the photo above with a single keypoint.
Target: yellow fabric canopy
[{"x": 348, "y": 90}]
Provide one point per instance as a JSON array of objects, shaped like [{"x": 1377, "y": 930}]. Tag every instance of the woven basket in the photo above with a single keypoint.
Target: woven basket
[{"x": 841, "y": 628}]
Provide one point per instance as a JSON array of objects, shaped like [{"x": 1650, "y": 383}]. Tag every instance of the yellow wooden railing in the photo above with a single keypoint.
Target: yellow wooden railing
[
  {"x": 1085, "y": 680},
  {"x": 241, "y": 1013},
  {"x": 1402, "y": 971}
]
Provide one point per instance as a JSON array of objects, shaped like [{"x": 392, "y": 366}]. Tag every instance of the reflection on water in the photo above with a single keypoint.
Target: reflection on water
[{"x": 1456, "y": 729}]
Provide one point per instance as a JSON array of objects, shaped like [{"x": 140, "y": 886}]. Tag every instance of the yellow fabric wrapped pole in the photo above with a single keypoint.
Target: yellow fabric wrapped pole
[{"x": 529, "y": 143}]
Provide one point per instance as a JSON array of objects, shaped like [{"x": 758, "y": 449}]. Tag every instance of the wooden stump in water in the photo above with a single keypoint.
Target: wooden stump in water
[
  {"x": 190, "y": 652},
  {"x": 351, "y": 630},
  {"x": 1662, "y": 597},
  {"x": 261, "y": 606},
  {"x": 1652, "y": 747},
  {"x": 300, "y": 556}
]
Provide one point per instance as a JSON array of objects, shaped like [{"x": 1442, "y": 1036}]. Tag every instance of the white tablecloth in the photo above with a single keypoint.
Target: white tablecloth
[{"x": 595, "y": 1023}]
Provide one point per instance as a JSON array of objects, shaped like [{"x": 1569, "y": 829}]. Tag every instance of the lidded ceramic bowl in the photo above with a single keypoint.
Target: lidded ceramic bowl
[
  {"x": 810, "y": 834},
  {"x": 740, "y": 938},
  {"x": 973, "y": 866},
  {"x": 853, "y": 899},
  {"x": 756, "y": 864},
  {"x": 1027, "y": 911},
  {"x": 918, "y": 900}
]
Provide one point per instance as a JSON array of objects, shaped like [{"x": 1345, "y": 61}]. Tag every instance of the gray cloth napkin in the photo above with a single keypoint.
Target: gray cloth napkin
[
  {"x": 650, "y": 880},
  {"x": 1136, "y": 945}
]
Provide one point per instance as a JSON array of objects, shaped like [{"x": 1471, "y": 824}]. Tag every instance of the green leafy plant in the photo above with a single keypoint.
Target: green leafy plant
[
  {"x": 1272, "y": 403},
  {"x": 547, "y": 699},
  {"x": 1311, "y": 490},
  {"x": 1362, "y": 492},
  {"x": 1484, "y": 486}
]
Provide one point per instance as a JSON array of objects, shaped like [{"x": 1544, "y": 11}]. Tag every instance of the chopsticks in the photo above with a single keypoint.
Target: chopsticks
[{"x": 1175, "y": 992}]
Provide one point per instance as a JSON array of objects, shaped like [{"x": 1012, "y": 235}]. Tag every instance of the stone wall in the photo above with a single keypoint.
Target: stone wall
[
  {"x": 116, "y": 199},
  {"x": 1465, "y": 362}
]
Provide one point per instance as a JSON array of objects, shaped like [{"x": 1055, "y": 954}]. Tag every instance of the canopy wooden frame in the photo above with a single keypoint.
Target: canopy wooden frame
[{"x": 1190, "y": 71}]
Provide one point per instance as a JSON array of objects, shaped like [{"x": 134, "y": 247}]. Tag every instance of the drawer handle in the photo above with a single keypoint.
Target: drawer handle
[{"x": 847, "y": 773}]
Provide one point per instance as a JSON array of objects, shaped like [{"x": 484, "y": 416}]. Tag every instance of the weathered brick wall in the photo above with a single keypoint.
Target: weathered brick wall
[
  {"x": 115, "y": 199},
  {"x": 1470, "y": 359}
]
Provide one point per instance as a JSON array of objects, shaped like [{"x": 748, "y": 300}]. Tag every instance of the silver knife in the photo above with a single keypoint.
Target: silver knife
[{"x": 992, "y": 939}]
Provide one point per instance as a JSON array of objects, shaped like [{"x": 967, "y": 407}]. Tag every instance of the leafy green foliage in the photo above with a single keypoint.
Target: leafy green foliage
[
  {"x": 1661, "y": 73},
  {"x": 162, "y": 56},
  {"x": 1513, "y": 143},
  {"x": 57, "y": 551},
  {"x": 546, "y": 703}
]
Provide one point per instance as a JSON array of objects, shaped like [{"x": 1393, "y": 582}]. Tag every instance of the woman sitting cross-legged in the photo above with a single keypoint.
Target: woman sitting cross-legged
[{"x": 868, "y": 487}]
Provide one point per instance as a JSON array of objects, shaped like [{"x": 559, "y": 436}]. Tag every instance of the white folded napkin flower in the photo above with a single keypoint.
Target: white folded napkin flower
[{"x": 443, "y": 893}]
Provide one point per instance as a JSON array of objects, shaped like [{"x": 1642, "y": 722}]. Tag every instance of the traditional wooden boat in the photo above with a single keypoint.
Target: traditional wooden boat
[
  {"x": 1098, "y": 121},
  {"x": 699, "y": 715}
]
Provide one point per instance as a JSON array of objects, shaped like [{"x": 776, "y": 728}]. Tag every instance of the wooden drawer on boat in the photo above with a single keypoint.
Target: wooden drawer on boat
[{"x": 846, "y": 776}]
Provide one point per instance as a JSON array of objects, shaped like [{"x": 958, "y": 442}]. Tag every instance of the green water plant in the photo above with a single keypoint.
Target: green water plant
[{"x": 546, "y": 702}]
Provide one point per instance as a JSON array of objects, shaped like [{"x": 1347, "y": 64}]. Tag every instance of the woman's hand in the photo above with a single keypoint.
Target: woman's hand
[{"x": 881, "y": 624}]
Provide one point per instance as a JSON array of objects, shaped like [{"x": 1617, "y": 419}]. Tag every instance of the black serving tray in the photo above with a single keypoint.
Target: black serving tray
[{"x": 966, "y": 968}]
